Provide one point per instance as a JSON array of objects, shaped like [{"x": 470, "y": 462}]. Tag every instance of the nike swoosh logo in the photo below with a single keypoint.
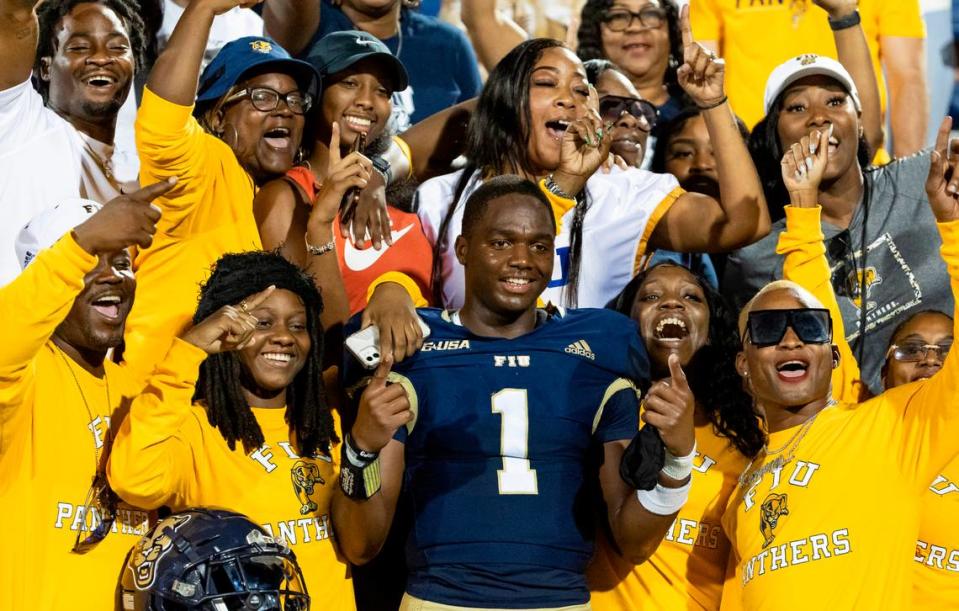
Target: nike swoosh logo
[{"x": 358, "y": 260}]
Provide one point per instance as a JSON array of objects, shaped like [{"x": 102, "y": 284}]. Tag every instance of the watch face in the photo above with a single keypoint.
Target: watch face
[{"x": 380, "y": 164}]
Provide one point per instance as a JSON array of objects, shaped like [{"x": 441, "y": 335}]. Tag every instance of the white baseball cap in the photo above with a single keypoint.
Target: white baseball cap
[
  {"x": 808, "y": 64},
  {"x": 44, "y": 229}
]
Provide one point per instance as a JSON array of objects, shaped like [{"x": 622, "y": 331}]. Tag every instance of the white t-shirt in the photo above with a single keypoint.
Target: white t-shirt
[
  {"x": 43, "y": 159},
  {"x": 235, "y": 23},
  {"x": 624, "y": 207}
]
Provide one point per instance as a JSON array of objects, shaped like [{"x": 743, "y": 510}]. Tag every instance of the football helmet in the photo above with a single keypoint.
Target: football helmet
[{"x": 211, "y": 560}]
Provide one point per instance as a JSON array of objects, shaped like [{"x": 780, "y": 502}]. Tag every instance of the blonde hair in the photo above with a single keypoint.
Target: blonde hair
[{"x": 799, "y": 292}]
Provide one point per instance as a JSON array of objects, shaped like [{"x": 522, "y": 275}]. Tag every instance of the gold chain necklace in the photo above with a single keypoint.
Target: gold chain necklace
[
  {"x": 749, "y": 478},
  {"x": 83, "y": 397}
]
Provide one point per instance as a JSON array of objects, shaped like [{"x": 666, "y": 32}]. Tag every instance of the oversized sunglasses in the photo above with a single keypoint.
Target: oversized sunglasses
[
  {"x": 101, "y": 506},
  {"x": 265, "y": 99},
  {"x": 612, "y": 107},
  {"x": 768, "y": 327},
  {"x": 913, "y": 352}
]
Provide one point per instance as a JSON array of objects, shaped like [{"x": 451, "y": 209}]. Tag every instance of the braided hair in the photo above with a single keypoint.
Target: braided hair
[
  {"x": 220, "y": 386},
  {"x": 50, "y": 14},
  {"x": 714, "y": 380},
  {"x": 590, "y": 39}
]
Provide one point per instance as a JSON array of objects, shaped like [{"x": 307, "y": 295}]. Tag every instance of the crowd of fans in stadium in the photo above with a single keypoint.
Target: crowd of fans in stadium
[{"x": 479, "y": 304}]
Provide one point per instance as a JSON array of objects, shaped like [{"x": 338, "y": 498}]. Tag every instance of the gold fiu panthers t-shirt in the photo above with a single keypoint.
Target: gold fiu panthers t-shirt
[
  {"x": 167, "y": 453},
  {"x": 55, "y": 422},
  {"x": 835, "y": 525},
  {"x": 937, "y": 550},
  {"x": 688, "y": 568}
]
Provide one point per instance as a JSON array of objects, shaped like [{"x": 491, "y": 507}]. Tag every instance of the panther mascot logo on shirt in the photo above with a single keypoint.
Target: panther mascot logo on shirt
[
  {"x": 306, "y": 476},
  {"x": 773, "y": 508}
]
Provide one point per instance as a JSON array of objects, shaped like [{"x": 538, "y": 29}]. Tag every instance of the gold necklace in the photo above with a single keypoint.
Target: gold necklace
[
  {"x": 749, "y": 478},
  {"x": 83, "y": 397}
]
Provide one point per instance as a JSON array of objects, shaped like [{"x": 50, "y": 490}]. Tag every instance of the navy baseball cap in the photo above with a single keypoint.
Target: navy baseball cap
[
  {"x": 239, "y": 56},
  {"x": 340, "y": 50}
]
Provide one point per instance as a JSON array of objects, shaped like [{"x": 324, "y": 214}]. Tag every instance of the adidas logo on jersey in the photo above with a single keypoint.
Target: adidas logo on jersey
[{"x": 581, "y": 348}]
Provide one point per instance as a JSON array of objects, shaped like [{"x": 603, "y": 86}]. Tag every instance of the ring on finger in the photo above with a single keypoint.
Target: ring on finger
[{"x": 244, "y": 307}]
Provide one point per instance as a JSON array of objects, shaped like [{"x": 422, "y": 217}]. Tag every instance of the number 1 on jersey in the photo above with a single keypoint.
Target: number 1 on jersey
[{"x": 515, "y": 477}]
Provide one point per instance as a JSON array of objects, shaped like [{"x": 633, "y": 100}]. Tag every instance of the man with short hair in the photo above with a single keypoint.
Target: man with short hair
[
  {"x": 60, "y": 397},
  {"x": 501, "y": 426},
  {"x": 59, "y": 142}
]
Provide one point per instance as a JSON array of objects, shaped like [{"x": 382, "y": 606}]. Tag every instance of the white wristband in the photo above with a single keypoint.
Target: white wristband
[
  {"x": 664, "y": 501},
  {"x": 678, "y": 467}
]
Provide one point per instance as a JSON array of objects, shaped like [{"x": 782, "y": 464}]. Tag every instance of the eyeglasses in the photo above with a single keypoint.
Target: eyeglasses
[
  {"x": 265, "y": 99},
  {"x": 915, "y": 351},
  {"x": 612, "y": 107},
  {"x": 768, "y": 327},
  {"x": 102, "y": 504},
  {"x": 618, "y": 20}
]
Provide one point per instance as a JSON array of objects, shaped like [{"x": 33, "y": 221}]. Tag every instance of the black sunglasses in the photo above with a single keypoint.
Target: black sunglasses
[
  {"x": 612, "y": 107},
  {"x": 102, "y": 503},
  {"x": 767, "y": 327}
]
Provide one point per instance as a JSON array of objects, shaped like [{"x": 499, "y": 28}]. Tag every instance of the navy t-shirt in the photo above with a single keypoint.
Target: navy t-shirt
[{"x": 442, "y": 66}]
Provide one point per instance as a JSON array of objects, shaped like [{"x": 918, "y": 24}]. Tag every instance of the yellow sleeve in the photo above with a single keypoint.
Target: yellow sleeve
[
  {"x": 806, "y": 265},
  {"x": 419, "y": 301},
  {"x": 706, "y": 20},
  {"x": 170, "y": 142},
  {"x": 560, "y": 205},
  {"x": 34, "y": 304},
  {"x": 151, "y": 460},
  {"x": 405, "y": 149},
  {"x": 930, "y": 409},
  {"x": 901, "y": 18}
]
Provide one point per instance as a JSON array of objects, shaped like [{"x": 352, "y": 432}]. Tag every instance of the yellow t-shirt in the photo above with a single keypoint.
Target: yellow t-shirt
[
  {"x": 55, "y": 420},
  {"x": 804, "y": 252},
  {"x": 755, "y": 36},
  {"x": 688, "y": 568},
  {"x": 937, "y": 550},
  {"x": 835, "y": 526},
  {"x": 207, "y": 214},
  {"x": 167, "y": 453}
]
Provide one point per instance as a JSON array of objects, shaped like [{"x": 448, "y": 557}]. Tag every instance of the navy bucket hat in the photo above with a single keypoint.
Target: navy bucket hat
[{"x": 238, "y": 57}]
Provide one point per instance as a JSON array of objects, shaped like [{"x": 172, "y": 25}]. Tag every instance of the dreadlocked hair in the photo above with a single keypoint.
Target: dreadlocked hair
[
  {"x": 220, "y": 385},
  {"x": 590, "y": 39},
  {"x": 712, "y": 371},
  {"x": 50, "y": 14}
]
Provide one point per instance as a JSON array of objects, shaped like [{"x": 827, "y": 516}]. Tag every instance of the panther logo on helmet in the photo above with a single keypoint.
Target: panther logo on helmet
[{"x": 149, "y": 550}]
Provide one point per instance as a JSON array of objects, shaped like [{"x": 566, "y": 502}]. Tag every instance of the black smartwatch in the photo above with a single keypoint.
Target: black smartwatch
[{"x": 382, "y": 166}]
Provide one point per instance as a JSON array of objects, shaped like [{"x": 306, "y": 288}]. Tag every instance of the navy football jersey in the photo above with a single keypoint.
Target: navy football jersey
[{"x": 498, "y": 455}]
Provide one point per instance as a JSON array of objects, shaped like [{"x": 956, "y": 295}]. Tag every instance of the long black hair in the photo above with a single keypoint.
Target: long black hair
[
  {"x": 234, "y": 278},
  {"x": 712, "y": 370},
  {"x": 49, "y": 15},
  {"x": 590, "y": 39},
  {"x": 497, "y": 141},
  {"x": 767, "y": 153}
]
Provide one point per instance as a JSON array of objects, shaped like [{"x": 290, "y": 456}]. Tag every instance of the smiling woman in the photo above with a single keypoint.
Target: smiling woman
[
  {"x": 237, "y": 411},
  {"x": 239, "y": 129}
]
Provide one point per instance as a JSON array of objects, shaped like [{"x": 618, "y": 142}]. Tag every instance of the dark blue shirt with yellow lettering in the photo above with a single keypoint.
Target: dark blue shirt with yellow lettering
[{"x": 498, "y": 458}]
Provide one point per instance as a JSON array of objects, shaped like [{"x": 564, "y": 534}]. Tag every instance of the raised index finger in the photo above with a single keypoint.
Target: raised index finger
[
  {"x": 334, "y": 144},
  {"x": 676, "y": 373},
  {"x": 685, "y": 27},
  {"x": 151, "y": 192},
  {"x": 253, "y": 301},
  {"x": 942, "y": 137}
]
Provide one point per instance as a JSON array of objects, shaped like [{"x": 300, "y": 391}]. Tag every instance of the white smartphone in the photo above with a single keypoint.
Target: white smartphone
[{"x": 365, "y": 344}]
